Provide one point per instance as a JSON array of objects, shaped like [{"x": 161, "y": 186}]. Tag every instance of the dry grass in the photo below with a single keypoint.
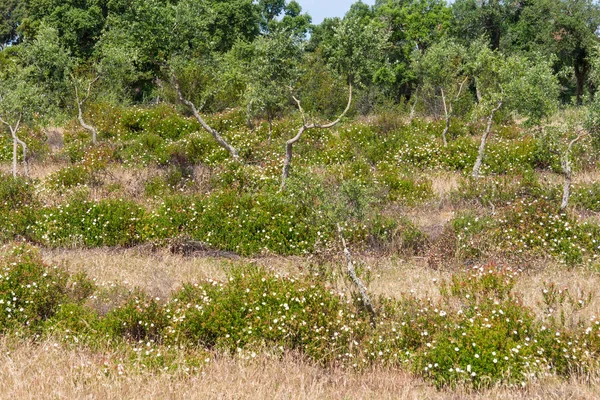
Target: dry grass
[
  {"x": 49, "y": 371},
  {"x": 160, "y": 273}
]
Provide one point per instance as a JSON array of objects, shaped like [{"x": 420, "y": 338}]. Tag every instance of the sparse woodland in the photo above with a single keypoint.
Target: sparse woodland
[{"x": 408, "y": 194}]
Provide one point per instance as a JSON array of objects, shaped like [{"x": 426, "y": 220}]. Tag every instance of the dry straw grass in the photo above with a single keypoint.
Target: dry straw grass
[{"x": 48, "y": 371}]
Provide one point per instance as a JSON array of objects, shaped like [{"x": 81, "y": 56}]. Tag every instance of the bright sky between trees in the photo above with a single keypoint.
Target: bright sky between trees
[{"x": 321, "y": 9}]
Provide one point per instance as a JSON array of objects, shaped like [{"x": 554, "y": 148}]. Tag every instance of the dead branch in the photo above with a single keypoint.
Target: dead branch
[
  {"x": 230, "y": 149},
  {"x": 364, "y": 296}
]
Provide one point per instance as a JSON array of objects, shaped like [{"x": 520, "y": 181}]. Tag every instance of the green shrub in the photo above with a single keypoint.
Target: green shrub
[
  {"x": 258, "y": 308},
  {"x": 18, "y": 206},
  {"x": 30, "y": 292},
  {"x": 490, "y": 337},
  {"x": 92, "y": 224},
  {"x": 140, "y": 319}
]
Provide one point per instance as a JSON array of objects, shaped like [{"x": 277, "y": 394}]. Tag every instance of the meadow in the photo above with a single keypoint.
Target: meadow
[{"x": 152, "y": 265}]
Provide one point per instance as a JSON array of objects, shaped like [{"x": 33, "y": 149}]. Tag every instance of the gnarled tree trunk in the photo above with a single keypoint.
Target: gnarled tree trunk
[
  {"x": 230, "y": 149},
  {"x": 80, "y": 103},
  {"x": 306, "y": 126},
  {"x": 484, "y": 138}
]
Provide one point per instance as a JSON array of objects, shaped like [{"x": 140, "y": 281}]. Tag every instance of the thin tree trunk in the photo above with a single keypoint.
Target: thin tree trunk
[
  {"x": 25, "y": 162},
  {"x": 85, "y": 126},
  {"x": 305, "y": 126},
  {"x": 14, "y": 160},
  {"x": 477, "y": 92},
  {"x": 447, "y": 116},
  {"x": 568, "y": 171},
  {"x": 414, "y": 106},
  {"x": 248, "y": 116},
  {"x": 80, "y": 103},
  {"x": 362, "y": 289},
  {"x": 230, "y": 149},
  {"x": 16, "y": 142},
  {"x": 270, "y": 129},
  {"x": 484, "y": 138}
]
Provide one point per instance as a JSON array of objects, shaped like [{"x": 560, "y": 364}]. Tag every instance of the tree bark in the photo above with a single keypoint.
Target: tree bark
[
  {"x": 80, "y": 103},
  {"x": 230, "y": 149},
  {"x": 447, "y": 116},
  {"x": 305, "y": 126},
  {"x": 484, "y": 138},
  {"x": 362, "y": 289},
  {"x": 414, "y": 106},
  {"x": 448, "y": 108},
  {"x": 568, "y": 171},
  {"x": 16, "y": 141}
]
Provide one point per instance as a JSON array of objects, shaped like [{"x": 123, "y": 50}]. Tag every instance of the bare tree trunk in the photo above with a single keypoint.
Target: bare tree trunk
[
  {"x": 24, "y": 147},
  {"x": 484, "y": 138},
  {"x": 448, "y": 108},
  {"x": 364, "y": 296},
  {"x": 478, "y": 92},
  {"x": 288, "y": 156},
  {"x": 80, "y": 103},
  {"x": 248, "y": 116},
  {"x": 447, "y": 116},
  {"x": 414, "y": 106},
  {"x": 270, "y": 129},
  {"x": 85, "y": 126},
  {"x": 230, "y": 149},
  {"x": 14, "y": 160},
  {"x": 568, "y": 171},
  {"x": 305, "y": 126},
  {"x": 16, "y": 142}
]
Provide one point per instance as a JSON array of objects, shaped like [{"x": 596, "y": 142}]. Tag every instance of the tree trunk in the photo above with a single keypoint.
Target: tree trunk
[
  {"x": 25, "y": 162},
  {"x": 484, "y": 138},
  {"x": 447, "y": 116},
  {"x": 80, "y": 103},
  {"x": 414, "y": 106},
  {"x": 14, "y": 160},
  {"x": 85, "y": 126},
  {"x": 568, "y": 171},
  {"x": 362, "y": 289},
  {"x": 230, "y": 149},
  {"x": 305, "y": 126},
  {"x": 16, "y": 141},
  {"x": 288, "y": 156}
]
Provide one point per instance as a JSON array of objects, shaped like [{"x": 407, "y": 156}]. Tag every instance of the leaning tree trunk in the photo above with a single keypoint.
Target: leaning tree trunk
[
  {"x": 80, "y": 103},
  {"x": 568, "y": 171},
  {"x": 484, "y": 138},
  {"x": 86, "y": 126},
  {"x": 414, "y": 106},
  {"x": 362, "y": 289},
  {"x": 305, "y": 126},
  {"x": 230, "y": 149},
  {"x": 447, "y": 116}
]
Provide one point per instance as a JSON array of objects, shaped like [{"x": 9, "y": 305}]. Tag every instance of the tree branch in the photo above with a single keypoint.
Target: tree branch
[
  {"x": 230, "y": 149},
  {"x": 290, "y": 143},
  {"x": 364, "y": 296}
]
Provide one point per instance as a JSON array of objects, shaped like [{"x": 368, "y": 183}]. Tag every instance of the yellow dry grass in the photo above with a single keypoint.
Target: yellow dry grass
[{"x": 48, "y": 370}]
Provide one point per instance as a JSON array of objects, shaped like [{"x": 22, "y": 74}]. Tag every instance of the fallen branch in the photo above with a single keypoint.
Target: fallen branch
[{"x": 364, "y": 296}]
